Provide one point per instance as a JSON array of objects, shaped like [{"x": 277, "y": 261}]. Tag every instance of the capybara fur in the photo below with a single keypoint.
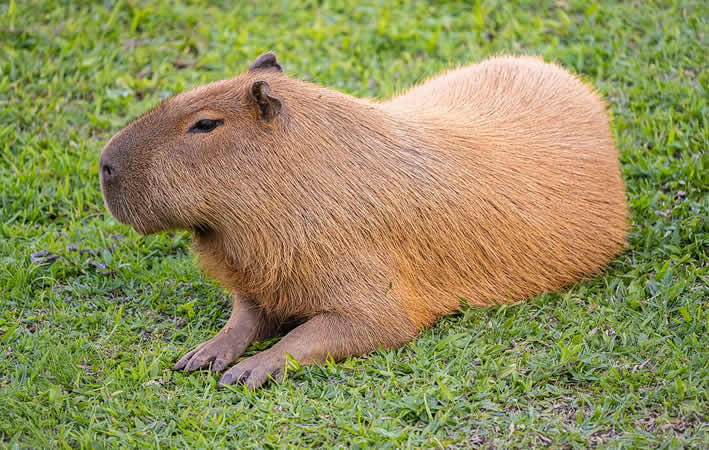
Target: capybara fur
[{"x": 349, "y": 224}]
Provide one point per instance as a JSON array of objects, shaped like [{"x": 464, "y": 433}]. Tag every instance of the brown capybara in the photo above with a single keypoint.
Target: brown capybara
[{"x": 350, "y": 224}]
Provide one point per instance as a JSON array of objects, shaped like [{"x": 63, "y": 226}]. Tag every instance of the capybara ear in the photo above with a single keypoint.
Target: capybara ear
[
  {"x": 266, "y": 63},
  {"x": 269, "y": 105}
]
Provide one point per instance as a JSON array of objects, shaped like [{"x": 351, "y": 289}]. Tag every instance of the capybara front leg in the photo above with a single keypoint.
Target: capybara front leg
[
  {"x": 245, "y": 324},
  {"x": 323, "y": 336}
]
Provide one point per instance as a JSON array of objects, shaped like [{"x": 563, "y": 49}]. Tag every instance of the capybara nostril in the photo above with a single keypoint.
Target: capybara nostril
[{"x": 107, "y": 170}]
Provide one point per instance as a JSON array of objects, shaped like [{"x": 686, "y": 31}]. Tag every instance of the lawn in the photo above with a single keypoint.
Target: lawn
[{"x": 93, "y": 316}]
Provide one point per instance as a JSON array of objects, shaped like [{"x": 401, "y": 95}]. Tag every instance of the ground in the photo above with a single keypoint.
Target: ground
[{"x": 90, "y": 329}]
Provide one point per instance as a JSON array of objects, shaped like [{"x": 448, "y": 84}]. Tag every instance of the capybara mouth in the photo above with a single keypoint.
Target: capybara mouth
[
  {"x": 124, "y": 214},
  {"x": 112, "y": 203},
  {"x": 120, "y": 215}
]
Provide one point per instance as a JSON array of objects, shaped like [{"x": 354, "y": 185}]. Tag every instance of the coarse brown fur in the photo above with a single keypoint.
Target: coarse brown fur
[{"x": 363, "y": 221}]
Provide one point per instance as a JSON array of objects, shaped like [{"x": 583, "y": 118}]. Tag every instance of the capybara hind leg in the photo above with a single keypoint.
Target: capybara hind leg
[
  {"x": 323, "y": 336},
  {"x": 245, "y": 324}
]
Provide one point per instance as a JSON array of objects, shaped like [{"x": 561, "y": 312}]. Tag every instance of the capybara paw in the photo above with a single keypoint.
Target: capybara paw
[
  {"x": 254, "y": 371},
  {"x": 217, "y": 353}
]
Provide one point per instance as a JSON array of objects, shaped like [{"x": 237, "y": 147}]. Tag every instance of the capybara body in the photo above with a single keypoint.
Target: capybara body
[{"x": 354, "y": 223}]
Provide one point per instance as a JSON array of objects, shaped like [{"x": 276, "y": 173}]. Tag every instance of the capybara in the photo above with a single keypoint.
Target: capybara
[{"x": 350, "y": 224}]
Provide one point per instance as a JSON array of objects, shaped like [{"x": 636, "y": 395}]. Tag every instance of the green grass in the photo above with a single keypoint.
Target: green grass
[{"x": 87, "y": 343}]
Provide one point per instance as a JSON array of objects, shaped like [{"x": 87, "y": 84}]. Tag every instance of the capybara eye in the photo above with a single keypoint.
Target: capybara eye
[{"x": 205, "y": 126}]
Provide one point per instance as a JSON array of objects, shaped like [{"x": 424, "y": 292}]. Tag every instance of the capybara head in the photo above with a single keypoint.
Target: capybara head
[{"x": 163, "y": 169}]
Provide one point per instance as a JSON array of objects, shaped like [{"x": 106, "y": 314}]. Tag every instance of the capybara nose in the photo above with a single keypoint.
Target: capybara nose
[{"x": 108, "y": 171}]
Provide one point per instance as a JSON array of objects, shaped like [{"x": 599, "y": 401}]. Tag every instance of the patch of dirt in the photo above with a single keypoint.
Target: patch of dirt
[
  {"x": 88, "y": 370},
  {"x": 653, "y": 418},
  {"x": 43, "y": 258},
  {"x": 603, "y": 436}
]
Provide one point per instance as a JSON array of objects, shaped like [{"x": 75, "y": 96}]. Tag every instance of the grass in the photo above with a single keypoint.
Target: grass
[{"x": 87, "y": 343}]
